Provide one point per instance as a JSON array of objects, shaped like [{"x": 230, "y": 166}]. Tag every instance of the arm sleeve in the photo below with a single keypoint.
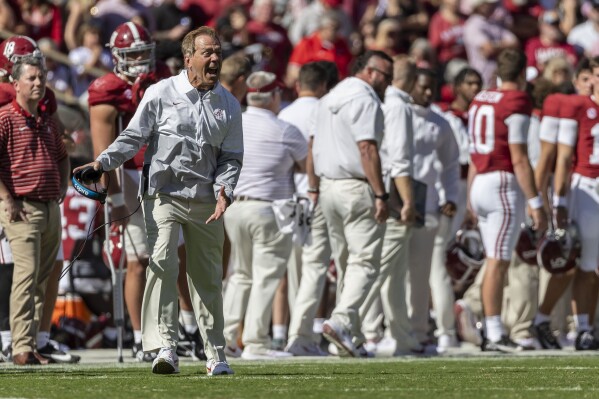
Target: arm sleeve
[
  {"x": 366, "y": 119},
  {"x": 517, "y": 128},
  {"x": 568, "y": 131},
  {"x": 296, "y": 143},
  {"x": 230, "y": 158},
  {"x": 399, "y": 135},
  {"x": 448, "y": 154},
  {"x": 137, "y": 133}
]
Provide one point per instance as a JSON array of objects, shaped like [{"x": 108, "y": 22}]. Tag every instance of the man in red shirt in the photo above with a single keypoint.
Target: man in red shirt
[
  {"x": 549, "y": 44},
  {"x": 501, "y": 178},
  {"x": 34, "y": 171},
  {"x": 324, "y": 45},
  {"x": 446, "y": 32}
]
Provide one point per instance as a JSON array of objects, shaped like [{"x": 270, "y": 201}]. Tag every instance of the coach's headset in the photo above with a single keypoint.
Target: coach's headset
[{"x": 89, "y": 175}]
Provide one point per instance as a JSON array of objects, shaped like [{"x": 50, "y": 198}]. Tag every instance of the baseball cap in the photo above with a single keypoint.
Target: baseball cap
[{"x": 263, "y": 82}]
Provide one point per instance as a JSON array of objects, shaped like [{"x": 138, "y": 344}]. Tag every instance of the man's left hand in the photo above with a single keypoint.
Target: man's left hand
[
  {"x": 222, "y": 203},
  {"x": 448, "y": 209}
]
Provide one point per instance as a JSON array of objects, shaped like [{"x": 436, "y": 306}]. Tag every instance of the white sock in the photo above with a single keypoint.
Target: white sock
[
  {"x": 6, "y": 338},
  {"x": 279, "y": 331},
  {"x": 43, "y": 337},
  {"x": 317, "y": 326},
  {"x": 189, "y": 321},
  {"x": 494, "y": 328},
  {"x": 541, "y": 318},
  {"x": 581, "y": 321},
  {"x": 137, "y": 336}
]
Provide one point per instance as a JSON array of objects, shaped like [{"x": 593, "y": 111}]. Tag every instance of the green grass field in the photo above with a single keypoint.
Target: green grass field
[{"x": 498, "y": 377}]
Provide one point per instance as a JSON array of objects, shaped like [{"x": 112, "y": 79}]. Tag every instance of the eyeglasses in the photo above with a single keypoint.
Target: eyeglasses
[{"x": 387, "y": 76}]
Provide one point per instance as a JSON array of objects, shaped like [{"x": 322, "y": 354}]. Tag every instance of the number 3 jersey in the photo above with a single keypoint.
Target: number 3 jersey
[
  {"x": 579, "y": 128},
  {"x": 496, "y": 119}
]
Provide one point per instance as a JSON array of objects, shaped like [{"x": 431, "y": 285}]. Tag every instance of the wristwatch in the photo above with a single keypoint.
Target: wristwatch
[{"x": 382, "y": 197}]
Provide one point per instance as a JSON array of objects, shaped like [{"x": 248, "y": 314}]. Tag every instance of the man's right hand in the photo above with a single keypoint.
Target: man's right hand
[
  {"x": 15, "y": 211},
  {"x": 381, "y": 211},
  {"x": 561, "y": 217},
  {"x": 539, "y": 219},
  {"x": 407, "y": 214}
]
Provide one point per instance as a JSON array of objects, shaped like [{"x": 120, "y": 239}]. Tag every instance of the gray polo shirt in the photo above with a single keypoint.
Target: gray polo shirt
[
  {"x": 348, "y": 114},
  {"x": 195, "y": 144}
]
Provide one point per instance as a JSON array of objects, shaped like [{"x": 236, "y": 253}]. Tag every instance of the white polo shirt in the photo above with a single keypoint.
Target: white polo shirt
[
  {"x": 272, "y": 147},
  {"x": 434, "y": 141},
  {"x": 299, "y": 113},
  {"x": 350, "y": 113}
]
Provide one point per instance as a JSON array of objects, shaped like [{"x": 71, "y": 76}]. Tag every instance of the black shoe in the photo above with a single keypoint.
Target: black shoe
[
  {"x": 57, "y": 356},
  {"x": 191, "y": 345},
  {"x": 505, "y": 345},
  {"x": 544, "y": 335},
  {"x": 140, "y": 355},
  {"x": 585, "y": 341}
]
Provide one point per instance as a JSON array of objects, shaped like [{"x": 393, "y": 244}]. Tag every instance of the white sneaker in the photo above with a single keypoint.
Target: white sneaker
[
  {"x": 232, "y": 351},
  {"x": 297, "y": 348},
  {"x": 218, "y": 368},
  {"x": 268, "y": 354},
  {"x": 371, "y": 346},
  {"x": 340, "y": 337},
  {"x": 446, "y": 341},
  {"x": 466, "y": 323},
  {"x": 167, "y": 362},
  {"x": 386, "y": 345}
]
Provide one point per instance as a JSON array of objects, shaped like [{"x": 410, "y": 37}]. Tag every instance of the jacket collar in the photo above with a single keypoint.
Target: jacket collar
[{"x": 182, "y": 85}]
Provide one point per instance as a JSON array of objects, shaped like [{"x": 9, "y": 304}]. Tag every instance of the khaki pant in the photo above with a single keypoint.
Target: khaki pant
[
  {"x": 259, "y": 253},
  {"x": 520, "y": 297},
  {"x": 390, "y": 287},
  {"x": 34, "y": 246},
  {"x": 356, "y": 243},
  {"x": 315, "y": 262},
  {"x": 420, "y": 250},
  {"x": 165, "y": 216},
  {"x": 441, "y": 288}
]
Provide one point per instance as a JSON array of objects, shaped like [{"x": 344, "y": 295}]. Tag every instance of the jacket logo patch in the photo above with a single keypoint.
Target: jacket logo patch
[
  {"x": 591, "y": 113},
  {"x": 219, "y": 114}
]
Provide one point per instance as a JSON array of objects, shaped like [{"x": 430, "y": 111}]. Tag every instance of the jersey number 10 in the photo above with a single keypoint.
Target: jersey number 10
[{"x": 482, "y": 140}]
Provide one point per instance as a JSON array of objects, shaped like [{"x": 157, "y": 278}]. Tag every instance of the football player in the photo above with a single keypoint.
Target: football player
[
  {"x": 501, "y": 179},
  {"x": 576, "y": 199},
  {"x": 557, "y": 284},
  {"x": 113, "y": 99}
]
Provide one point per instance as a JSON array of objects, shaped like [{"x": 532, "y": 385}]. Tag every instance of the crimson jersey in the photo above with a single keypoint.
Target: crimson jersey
[
  {"x": 77, "y": 214},
  {"x": 579, "y": 128},
  {"x": 112, "y": 90},
  {"x": 497, "y": 118},
  {"x": 462, "y": 115},
  {"x": 46, "y": 105}
]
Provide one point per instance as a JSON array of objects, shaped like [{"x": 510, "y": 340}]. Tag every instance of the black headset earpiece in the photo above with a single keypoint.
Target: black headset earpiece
[{"x": 89, "y": 175}]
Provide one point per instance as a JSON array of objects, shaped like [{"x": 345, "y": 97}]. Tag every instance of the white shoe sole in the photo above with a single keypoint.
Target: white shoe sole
[{"x": 331, "y": 335}]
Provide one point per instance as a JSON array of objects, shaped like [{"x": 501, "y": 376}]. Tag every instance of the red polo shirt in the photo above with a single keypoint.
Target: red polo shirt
[
  {"x": 30, "y": 150},
  {"x": 311, "y": 49}
]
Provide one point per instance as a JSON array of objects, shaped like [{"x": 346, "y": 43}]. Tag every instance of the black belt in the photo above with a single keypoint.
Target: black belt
[{"x": 248, "y": 198}]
